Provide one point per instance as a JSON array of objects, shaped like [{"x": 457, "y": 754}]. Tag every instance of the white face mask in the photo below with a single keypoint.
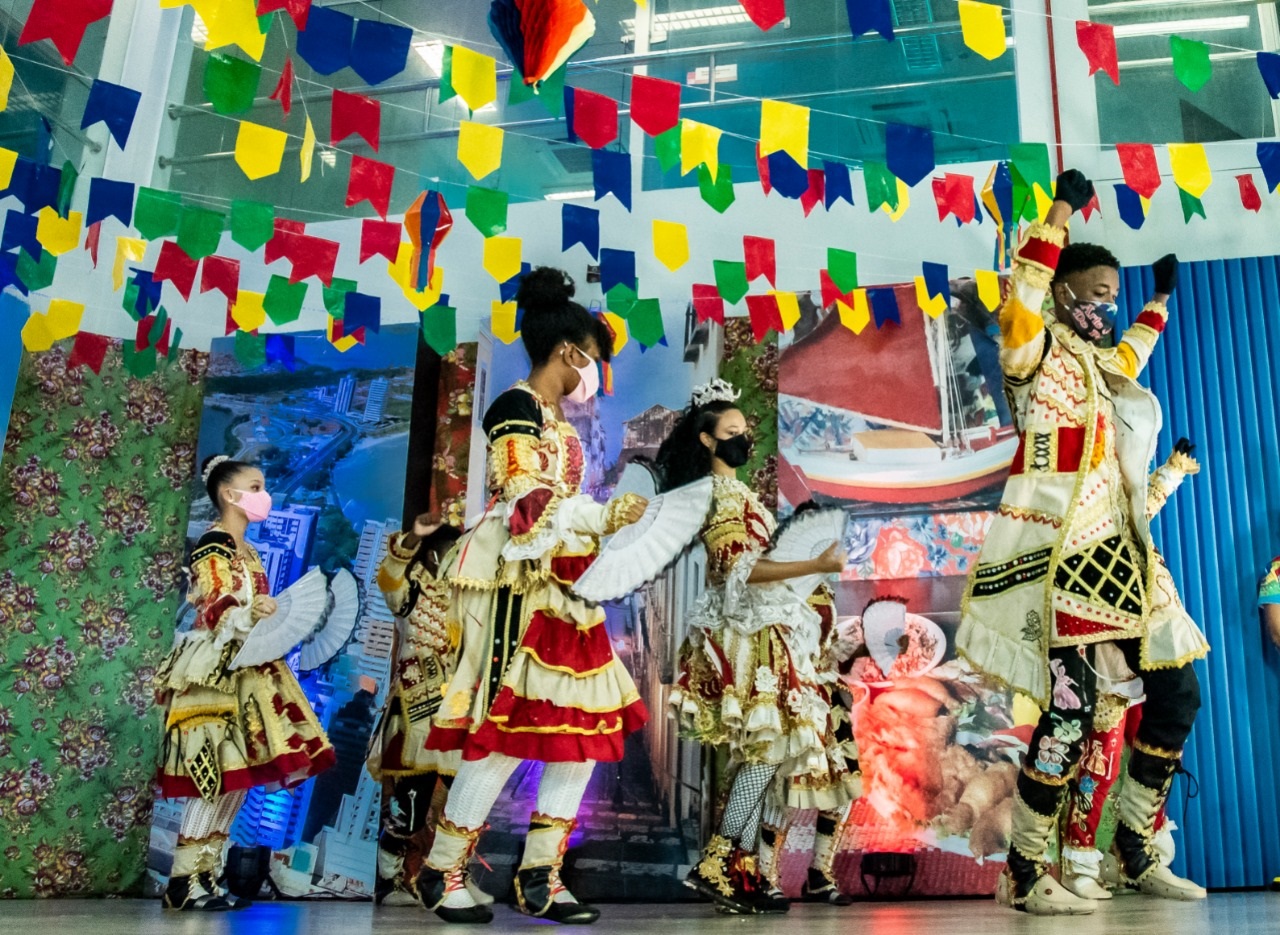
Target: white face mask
[{"x": 588, "y": 379}]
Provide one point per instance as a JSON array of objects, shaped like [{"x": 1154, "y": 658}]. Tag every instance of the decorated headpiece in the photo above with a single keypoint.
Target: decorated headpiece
[
  {"x": 715, "y": 392},
  {"x": 213, "y": 463}
]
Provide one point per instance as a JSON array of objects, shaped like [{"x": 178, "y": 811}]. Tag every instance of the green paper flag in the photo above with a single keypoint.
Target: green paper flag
[
  {"x": 283, "y": 302},
  {"x": 487, "y": 210},
  {"x": 731, "y": 280},
  {"x": 156, "y": 213},
  {"x": 718, "y": 192},
  {"x": 667, "y": 147},
  {"x": 1191, "y": 205},
  {"x": 140, "y": 364},
  {"x": 130, "y": 300},
  {"x": 842, "y": 267},
  {"x": 446, "y": 76},
  {"x": 882, "y": 186},
  {"x": 335, "y": 296},
  {"x": 517, "y": 91},
  {"x": 1191, "y": 63},
  {"x": 200, "y": 231},
  {"x": 36, "y": 276},
  {"x": 644, "y": 321},
  {"x": 252, "y": 223},
  {"x": 440, "y": 329},
  {"x": 230, "y": 83},
  {"x": 620, "y": 299},
  {"x": 175, "y": 341},
  {"x": 1032, "y": 162},
  {"x": 1024, "y": 199},
  {"x": 551, "y": 93},
  {"x": 66, "y": 188},
  {"x": 157, "y": 326},
  {"x": 251, "y": 350}
]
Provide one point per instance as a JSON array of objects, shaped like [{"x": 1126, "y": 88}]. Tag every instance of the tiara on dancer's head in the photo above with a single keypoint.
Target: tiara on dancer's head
[
  {"x": 213, "y": 463},
  {"x": 716, "y": 391}
]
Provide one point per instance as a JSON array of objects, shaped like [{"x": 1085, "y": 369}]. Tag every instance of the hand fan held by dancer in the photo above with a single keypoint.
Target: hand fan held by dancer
[
  {"x": 802, "y": 538},
  {"x": 300, "y": 608}
]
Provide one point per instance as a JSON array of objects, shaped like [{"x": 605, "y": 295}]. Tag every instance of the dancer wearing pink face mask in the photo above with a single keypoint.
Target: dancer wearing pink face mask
[
  {"x": 227, "y": 730},
  {"x": 536, "y": 675}
]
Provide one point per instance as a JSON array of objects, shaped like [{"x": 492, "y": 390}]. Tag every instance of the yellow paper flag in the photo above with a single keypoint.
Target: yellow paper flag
[
  {"x": 502, "y": 257},
  {"x": 671, "y": 244},
  {"x": 933, "y": 307},
  {"x": 8, "y": 160},
  {"x": 619, "y": 326},
  {"x": 1190, "y": 168},
  {"x": 128, "y": 250},
  {"x": 231, "y": 22},
  {"x": 857, "y": 316},
  {"x": 308, "y": 151},
  {"x": 785, "y": 127},
  {"x": 904, "y": 202},
  {"x": 6, "y": 78},
  {"x": 789, "y": 307},
  {"x": 983, "y": 27},
  {"x": 259, "y": 150},
  {"x": 988, "y": 281},
  {"x": 504, "y": 320},
  {"x": 475, "y": 77},
  {"x": 401, "y": 275},
  {"x": 249, "y": 312},
  {"x": 699, "y": 144},
  {"x": 56, "y": 234},
  {"x": 62, "y": 320},
  {"x": 479, "y": 148}
]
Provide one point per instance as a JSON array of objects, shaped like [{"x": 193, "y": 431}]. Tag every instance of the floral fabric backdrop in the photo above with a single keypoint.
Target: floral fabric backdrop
[
  {"x": 930, "y": 545},
  {"x": 753, "y": 369},
  {"x": 93, "y": 517},
  {"x": 453, "y": 433}
]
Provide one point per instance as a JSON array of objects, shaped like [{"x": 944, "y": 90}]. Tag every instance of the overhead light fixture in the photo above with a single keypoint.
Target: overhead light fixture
[
  {"x": 570, "y": 196},
  {"x": 433, "y": 54},
  {"x": 663, "y": 23},
  {"x": 1183, "y": 26}
]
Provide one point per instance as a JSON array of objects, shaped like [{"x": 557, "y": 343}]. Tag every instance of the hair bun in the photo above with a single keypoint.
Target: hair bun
[{"x": 545, "y": 289}]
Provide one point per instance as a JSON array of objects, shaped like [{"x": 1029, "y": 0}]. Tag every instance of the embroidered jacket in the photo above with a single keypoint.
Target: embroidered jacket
[{"x": 420, "y": 603}]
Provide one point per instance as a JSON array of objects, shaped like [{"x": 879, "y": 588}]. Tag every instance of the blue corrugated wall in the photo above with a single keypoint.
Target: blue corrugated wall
[{"x": 1217, "y": 372}]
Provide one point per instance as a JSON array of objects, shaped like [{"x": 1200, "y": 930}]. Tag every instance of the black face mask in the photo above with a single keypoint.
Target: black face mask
[{"x": 735, "y": 451}]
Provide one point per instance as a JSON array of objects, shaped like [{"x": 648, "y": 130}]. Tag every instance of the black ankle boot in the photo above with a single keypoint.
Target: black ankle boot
[
  {"x": 820, "y": 888},
  {"x": 433, "y": 886},
  {"x": 189, "y": 894},
  {"x": 535, "y": 896},
  {"x": 234, "y": 902}
]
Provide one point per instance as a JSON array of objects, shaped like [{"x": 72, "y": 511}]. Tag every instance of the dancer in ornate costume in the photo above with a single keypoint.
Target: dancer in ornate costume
[
  {"x": 537, "y": 677},
  {"x": 1064, "y": 586},
  {"x": 749, "y": 674},
  {"x": 227, "y": 730},
  {"x": 1117, "y": 718}
]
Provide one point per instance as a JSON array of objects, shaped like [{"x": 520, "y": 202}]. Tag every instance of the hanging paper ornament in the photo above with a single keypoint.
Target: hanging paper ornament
[
  {"x": 540, "y": 35},
  {"x": 428, "y": 222}
]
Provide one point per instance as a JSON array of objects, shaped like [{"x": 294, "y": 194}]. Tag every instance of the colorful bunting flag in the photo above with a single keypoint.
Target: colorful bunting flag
[
  {"x": 982, "y": 26},
  {"x": 842, "y": 266},
  {"x": 440, "y": 329},
  {"x": 870, "y": 16},
  {"x": 57, "y": 234},
  {"x": 283, "y": 300},
  {"x": 988, "y": 281},
  {"x": 486, "y": 209},
  {"x": 380, "y": 51},
  {"x": 786, "y": 176},
  {"x": 1138, "y": 163},
  {"x": 200, "y": 230},
  {"x": 297, "y": 10},
  {"x": 1191, "y": 63},
  {"x": 502, "y": 257},
  {"x": 666, "y": 146},
  {"x": 370, "y": 181},
  {"x": 173, "y": 265},
  {"x": 325, "y": 43},
  {"x": 764, "y": 13},
  {"x": 379, "y": 238},
  {"x": 838, "y": 185},
  {"x": 1191, "y": 205},
  {"x": 114, "y": 105},
  {"x": 1131, "y": 206},
  {"x": 479, "y": 148},
  {"x": 708, "y": 304},
  {"x": 354, "y": 113},
  {"x": 1249, "y": 196},
  {"x": 474, "y": 77},
  {"x": 717, "y": 192},
  {"x": 909, "y": 152},
  {"x": 1268, "y": 68},
  {"x": 856, "y": 314},
  {"x": 1098, "y": 43},
  {"x": 699, "y": 145},
  {"x": 595, "y": 118},
  {"x": 362, "y": 311},
  {"x": 252, "y": 224},
  {"x": 503, "y": 321},
  {"x": 222, "y": 274},
  {"x": 259, "y": 150},
  {"x": 42, "y": 329},
  {"x": 308, "y": 150},
  {"x": 611, "y": 174},
  {"x": 655, "y": 104},
  {"x": 248, "y": 312},
  {"x": 580, "y": 224},
  {"x": 63, "y": 23},
  {"x": 884, "y": 306},
  {"x": 731, "y": 280},
  {"x": 617, "y": 267},
  {"x": 109, "y": 198},
  {"x": 89, "y": 350},
  {"x": 6, "y": 78},
  {"x": 230, "y": 83},
  {"x": 128, "y": 250},
  {"x": 761, "y": 259},
  {"x": 765, "y": 316},
  {"x": 783, "y": 127},
  {"x": 1190, "y": 166},
  {"x": 644, "y": 322},
  {"x": 1269, "y": 159},
  {"x": 881, "y": 185},
  {"x": 670, "y": 244},
  {"x": 284, "y": 89}
]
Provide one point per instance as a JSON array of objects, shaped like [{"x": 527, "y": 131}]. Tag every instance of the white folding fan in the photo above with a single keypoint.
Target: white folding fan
[
  {"x": 344, "y": 610},
  {"x": 884, "y": 623},
  {"x": 804, "y": 538},
  {"x": 299, "y": 609},
  {"x": 638, "y": 553}
]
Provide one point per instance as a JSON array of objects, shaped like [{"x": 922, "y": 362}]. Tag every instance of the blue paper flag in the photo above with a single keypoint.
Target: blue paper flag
[
  {"x": 838, "y": 183},
  {"x": 379, "y": 50},
  {"x": 113, "y": 105},
  {"x": 1269, "y": 68},
  {"x": 617, "y": 267},
  {"x": 909, "y": 152},
  {"x": 20, "y": 231},
  {"x": 1269, "y": 159},
  {"x": 34, "y": 184},
  {"x": 870, "y": 16},
  {"x": 937, "y": 282},
  {"x": 611, "y": 173},
  {"x": 360, "y": 310},
  {"x": 108, "y": 198},
  {"x": 884, "y": 305},
  {"x": 280, "y": 348},
  {"x": 788, "y": 178},
  {"x": 326, "y": 43},
  {"x": 580, "y": 224},
  {"x": 1130, "y": 204},
  {"x": 570, "y": 136},
  {"x": 9, "y": 275},
  {"x": 507, "y": 290},
  {"x": 149, "y": 292}
]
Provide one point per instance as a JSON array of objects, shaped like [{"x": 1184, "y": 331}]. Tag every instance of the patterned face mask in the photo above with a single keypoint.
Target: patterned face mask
[{"x": 1093, "y": 321}]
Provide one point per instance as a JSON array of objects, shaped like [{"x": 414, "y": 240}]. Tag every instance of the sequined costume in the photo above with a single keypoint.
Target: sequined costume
[{"x": 228, "y": 730}]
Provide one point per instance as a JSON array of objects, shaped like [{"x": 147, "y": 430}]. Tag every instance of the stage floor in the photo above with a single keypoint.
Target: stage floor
[{"x": 1234, "y": 913}]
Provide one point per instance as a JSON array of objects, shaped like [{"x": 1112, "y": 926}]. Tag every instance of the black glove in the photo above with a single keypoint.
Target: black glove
[
  {"x": 1074, "y": 189},
  {"x": 1166, "y": 270},
  {"x": 1183, "y": 446}
]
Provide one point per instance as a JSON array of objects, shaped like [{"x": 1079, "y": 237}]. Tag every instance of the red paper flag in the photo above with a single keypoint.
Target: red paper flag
[
  {"x": 762, "y": 259},
  {"x": 88, "y": 351},
  {"x": 831, "y": 292},
  {"x": 707, "y": 303},
  {"x": 220, "y": 273},
  {"x": 765, "y": 316},
  {"x": 63, "y": 22},
  {"x": 816, "y": 191},
  {"x": 941, "y": 198},
  {"x": 297, "y": 9},
  {"x": 379, "y": 238},
  {"x": 1249, "y": 196},
  {"x": 595, "y": 118},
  {"x": 314, "y": 256},
  {"x": 370, "y": 181},
  {"x": 762, "y": 168},
  {"x": 175, "y": 266},
  {"x": 284, "y": 88},
  {"x": 960, "y": 196},
  {"x": 353, "y": 113},
  {"x": 1098, "y": 43},
  {"x": 278, "y": 245},
  {"x": 765, "y": 13},
  {"x": 655, "y": 104},
  {"x": 232, "y": 326},
  {"x": 1093, "y": 205},
  {"x": 91, "y": 241},
  {"x": 1138, "y": 162}
]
